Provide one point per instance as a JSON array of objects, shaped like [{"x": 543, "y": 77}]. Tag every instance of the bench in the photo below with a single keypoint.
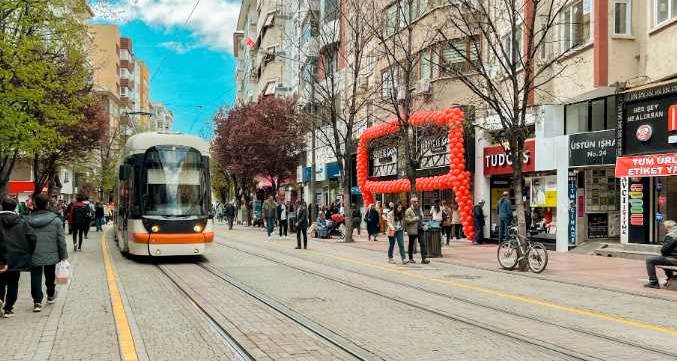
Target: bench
[{"x": 672, "y": 282}]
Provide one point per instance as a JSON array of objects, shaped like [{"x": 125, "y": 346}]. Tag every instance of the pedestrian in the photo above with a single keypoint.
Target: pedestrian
[
  {"x": 395, "y": 232},
  {"x": 90, "y": 216},
  {"x": 478, "y": 222},
  {"x": 413, "y": 219},
  {"x": 504, "y": 216},
  {"x": 455, "y": 222},
  {"x": 270, "y": 214},
  {"x": 291, "y": 215},
  {"x": 668, "y": 255},
  {"x": 373, "y": 220},
  {"x": 50, "y": 249},
  {"x": 229, "y": 213},
  {"x": 282, "y": 216},
  {"x": 79, "y": 220},
  {"x": 446, "y": 221},
  {"x": 301, "y": 224},
  {"x": 381, "y": 220},
  {"x": 17, "y": 244},
  {"x": 67, "y": 213},
  {"x": 99, "y": 214},
  {"x": 356, "y": 217}
]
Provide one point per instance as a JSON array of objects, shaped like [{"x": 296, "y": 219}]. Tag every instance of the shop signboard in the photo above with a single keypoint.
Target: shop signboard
[
  {"x": 572, "y": 208},
  {"x": 497, "y": 162},
  {"x": 624, "y": 210},
  {"x": 543, "y": 191},
  {"x": 650, "y": 124},
  {"x": 433, "y": 149},
  {"x": 648, "y": 165},
  {"x": 597, "y": 148},
  {"x": 383, "y": 162},
  {"x": 638, "y": 210},
  {"x": 598, "y": 225}
]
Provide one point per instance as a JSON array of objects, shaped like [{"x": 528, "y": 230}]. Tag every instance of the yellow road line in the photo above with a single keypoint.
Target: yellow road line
[
  {"x": 508, "y": 295},
  {"x": 125, "y": 339}
]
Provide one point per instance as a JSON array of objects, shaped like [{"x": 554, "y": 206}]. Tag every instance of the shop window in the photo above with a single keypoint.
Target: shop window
[
  {"x": 622, "y": 17},
  {"x": 590, "y": 115}
]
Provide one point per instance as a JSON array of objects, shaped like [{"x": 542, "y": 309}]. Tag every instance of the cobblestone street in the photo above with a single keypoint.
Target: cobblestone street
[{"x": 251, "y": 298}]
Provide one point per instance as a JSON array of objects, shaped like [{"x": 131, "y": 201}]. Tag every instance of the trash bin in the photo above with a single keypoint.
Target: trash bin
[{"x": 433, "y": 242}]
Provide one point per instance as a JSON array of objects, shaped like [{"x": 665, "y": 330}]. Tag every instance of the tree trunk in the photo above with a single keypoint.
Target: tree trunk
[
  {"x": 518, "y": 180},
  {"x": 6, "y": 167},
  {"x": 410, "y": 158},
  {"x": 348, "y": 210}
]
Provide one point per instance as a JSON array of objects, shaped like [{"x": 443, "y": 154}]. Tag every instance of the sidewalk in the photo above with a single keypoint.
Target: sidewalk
[{"x": 617, "y": 274}]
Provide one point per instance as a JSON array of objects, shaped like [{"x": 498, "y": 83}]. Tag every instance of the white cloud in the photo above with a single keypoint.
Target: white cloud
[
  {"x": 178, "y": 47},
  {"x": 212, "y": 23}
]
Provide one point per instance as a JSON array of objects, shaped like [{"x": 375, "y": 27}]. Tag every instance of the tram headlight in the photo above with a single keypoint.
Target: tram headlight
[
  {"x": 197, "y": 228},
  {"x": 155, "y": 228}
]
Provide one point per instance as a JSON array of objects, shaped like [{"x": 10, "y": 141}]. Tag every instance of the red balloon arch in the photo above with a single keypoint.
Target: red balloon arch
[{"x": 458, "y": 178}]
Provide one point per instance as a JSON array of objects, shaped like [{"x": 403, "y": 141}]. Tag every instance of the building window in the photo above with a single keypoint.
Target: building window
[
  {"x": 576, "y": 24},
  {"x": 514, "y": 48},
  {"x": 270, "y": 88},
  {"x": 426, "y": 65},
  {"x": 590, "y": 115},
  {"x": 331, "y": 10},
  {"x": 388, "y": 84},
  {"x": 622, "y": 17},
  {"x": 664, "y": 10}
]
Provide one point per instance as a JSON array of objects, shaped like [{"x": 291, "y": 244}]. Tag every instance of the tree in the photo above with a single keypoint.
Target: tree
[
  {"x": 334, "y": 91},
  {"x": 258, "y": 139},
  {"x": 41, "y": 68},
  {"x": 518, "y": 60}
]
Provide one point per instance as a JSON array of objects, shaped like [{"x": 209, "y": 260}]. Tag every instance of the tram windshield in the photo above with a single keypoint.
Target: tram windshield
[{"x": 177, "y": 183}]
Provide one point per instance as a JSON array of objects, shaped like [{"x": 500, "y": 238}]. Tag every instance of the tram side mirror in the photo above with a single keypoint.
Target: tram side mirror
[{"x": 123, "y": 173}]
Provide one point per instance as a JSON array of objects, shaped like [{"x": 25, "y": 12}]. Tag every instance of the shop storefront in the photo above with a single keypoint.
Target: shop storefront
[
  {"x": 594, "y": 210},
  {"x": 539, "y": 188},
  {"x": 647, "y": 163}
]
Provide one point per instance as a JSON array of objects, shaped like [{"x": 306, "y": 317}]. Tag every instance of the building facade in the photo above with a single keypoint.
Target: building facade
[{"x": 161, "y": 119}]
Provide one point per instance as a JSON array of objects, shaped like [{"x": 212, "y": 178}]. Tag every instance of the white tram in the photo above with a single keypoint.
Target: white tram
[{"x": 164, "y": 196}]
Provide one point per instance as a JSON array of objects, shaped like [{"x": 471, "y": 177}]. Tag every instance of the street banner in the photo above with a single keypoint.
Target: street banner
[{"x": 648, "y": 165}]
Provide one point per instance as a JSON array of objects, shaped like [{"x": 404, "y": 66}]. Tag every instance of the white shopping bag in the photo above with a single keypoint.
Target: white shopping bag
[{"x": 63, "y": 272}]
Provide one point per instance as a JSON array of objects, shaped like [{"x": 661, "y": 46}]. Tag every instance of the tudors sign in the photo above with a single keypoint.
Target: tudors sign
[
  {"x": 383, "y": 161},
  {"x": 497, "y": 162},
  {"x": 598, "y": 148}
]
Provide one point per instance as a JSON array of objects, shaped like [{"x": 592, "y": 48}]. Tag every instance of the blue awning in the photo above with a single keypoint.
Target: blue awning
[
  {"x": 306, "y": 174},
  {"x": 332, "y": 170}
]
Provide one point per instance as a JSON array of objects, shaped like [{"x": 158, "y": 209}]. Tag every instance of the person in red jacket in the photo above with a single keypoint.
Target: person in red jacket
[{"x": 78, "y": 218}]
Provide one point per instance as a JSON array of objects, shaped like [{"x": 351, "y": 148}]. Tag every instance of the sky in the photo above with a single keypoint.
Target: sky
[{"x": 190, "y": 60}]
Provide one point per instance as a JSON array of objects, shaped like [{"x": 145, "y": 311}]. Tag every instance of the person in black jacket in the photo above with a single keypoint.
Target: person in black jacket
[
  {"x": 18, "y": 243},
  {"x": 668, "y": 255}
]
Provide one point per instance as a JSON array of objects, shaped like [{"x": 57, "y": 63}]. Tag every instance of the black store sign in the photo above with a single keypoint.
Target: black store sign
[
  {"x": 596, "y": 148},
  {"x": 646, "y": 121}
]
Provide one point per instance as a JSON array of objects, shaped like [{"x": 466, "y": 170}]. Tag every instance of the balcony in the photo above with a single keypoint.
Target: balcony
[
  {"x": 126, "y": 83},
  {"x": 129, "y": 65}
]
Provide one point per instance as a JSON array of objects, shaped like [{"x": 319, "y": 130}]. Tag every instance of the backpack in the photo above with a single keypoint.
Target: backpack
[{"x": 81, "y": 214}]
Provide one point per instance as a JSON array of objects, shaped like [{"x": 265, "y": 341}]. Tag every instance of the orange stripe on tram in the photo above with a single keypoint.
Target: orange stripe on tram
[{"x": 174, "y": 238}]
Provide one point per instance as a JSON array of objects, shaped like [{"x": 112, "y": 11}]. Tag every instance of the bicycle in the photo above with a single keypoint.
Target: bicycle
[{"x": 517, "y": 247}]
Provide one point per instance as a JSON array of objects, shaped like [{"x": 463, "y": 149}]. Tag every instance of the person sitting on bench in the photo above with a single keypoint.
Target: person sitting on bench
[{"x": 668, "y": 255}]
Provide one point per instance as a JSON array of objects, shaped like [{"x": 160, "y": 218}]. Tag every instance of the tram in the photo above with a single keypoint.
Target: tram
[{"x": 163, "y": 195}]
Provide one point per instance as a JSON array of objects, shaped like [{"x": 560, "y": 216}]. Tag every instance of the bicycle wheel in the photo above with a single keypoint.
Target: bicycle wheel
[
  {"x": 537, "y": 257},
  {"x": 507, "y": 255}
]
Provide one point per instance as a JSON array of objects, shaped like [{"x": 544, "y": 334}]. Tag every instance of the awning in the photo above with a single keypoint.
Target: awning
[
  {"x": 20, "y": 187},
  {"x": 333, "y": 170},
  {"x": 647, "y": 165}
]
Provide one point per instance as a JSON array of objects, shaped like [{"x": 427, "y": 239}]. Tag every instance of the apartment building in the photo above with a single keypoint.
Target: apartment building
[{"x": 161, "y": 119}]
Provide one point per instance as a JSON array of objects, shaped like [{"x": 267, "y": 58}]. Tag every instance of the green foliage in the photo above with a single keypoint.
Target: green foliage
[{"x": 44, "y": 77}]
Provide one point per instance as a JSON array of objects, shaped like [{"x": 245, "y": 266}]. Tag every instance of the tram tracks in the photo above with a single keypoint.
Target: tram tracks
[{"x": 551, "y": 347}]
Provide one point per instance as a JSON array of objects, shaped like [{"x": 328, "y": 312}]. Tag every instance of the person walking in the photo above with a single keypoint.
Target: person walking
[
  {"x": 413, "y": 219},
  {"x": 478, "y": 222},
  {"x": 99, "y": 214},
  {"x": 270, "y": 214},
  {"x": 504, "y": 216},
  {"x": 373, "y": 219},
  {"x": 291, "y": 217},
  {"x": 229, "y": 213},
  {"x": 395, "y": 232},
  {"x": 356, "y": 217},
  {"x": 668, "y": 255},
  {"x": 90, "y": 216},
  {"x": 50, "y": 249},
  {"x": 282, "y": 217},
  {"x": 17, "y": 244},
  {"x": 455, "y": 222},
  {"x": 446, "y": 222},
  {"x": 79, "y": 220},
  {"x": 301, "y": 224}
]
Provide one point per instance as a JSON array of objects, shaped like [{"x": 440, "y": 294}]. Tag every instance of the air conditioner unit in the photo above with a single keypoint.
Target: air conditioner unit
[{"x": 424, "y": 86}]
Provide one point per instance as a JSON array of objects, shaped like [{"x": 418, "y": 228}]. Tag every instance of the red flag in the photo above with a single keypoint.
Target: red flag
[{"x": 249, "y": 42}]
